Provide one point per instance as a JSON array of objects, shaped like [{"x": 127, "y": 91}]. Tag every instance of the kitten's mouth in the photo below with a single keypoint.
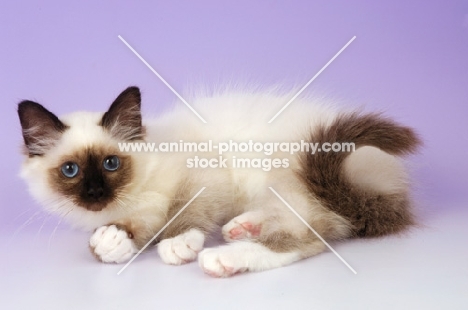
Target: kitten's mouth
[{"x": 94, "y": 206}]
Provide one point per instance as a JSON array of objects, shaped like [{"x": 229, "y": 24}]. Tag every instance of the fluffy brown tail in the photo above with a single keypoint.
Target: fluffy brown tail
[{"x": 372, "y": 214}]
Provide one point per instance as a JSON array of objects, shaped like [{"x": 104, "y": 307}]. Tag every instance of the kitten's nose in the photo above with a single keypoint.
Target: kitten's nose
[{"x": 95, "y": 192}]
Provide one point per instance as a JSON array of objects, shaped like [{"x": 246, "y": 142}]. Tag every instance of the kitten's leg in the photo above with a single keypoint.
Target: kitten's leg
[
  {"x": 182, "y": 248},
  {"x": 116, "y": 244},
  {"x": 118, "y": 241},
  {"x": 180, "y": 243},
  {"x": 184, "y": 238},
  {"x": 248, "y": 225},
  {"x": 109, "y": 244},
  {"x": 281, "y": 239},
  {"x": 242, "y": 256}
]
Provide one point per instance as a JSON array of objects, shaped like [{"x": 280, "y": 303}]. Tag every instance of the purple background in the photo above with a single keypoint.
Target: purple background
[{"x": 409, "y": 59}]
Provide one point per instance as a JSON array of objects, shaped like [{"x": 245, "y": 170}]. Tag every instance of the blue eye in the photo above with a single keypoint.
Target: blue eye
[
  {"x": 70, "y": 169},
  {"x": 111, "y": 163}
]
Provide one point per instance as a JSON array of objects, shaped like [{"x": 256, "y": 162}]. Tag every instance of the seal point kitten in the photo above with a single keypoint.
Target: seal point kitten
[{"x": 75, "y": 168}]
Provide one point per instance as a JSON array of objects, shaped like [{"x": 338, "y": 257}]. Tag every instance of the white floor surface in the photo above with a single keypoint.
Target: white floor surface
[{"x": 426, "y": 269}]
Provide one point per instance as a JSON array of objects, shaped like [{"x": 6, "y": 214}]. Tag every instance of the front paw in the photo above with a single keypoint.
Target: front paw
[
  {"x": 220, "y": 263},
  {"x": 112, "y": 245},
  {"x": 181, "y": 249}
]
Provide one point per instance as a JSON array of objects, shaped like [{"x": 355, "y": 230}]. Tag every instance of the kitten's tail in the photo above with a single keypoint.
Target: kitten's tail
[{"x": 371, "y": 213}]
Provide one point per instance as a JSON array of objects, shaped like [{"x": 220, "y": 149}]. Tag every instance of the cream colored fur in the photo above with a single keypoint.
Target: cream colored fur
[{"x": 237, "y": 116}]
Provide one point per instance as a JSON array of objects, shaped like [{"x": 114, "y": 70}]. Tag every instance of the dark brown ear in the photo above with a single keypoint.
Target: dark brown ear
[
  {"x": 123, "y": 119},
  {"x": 41, "y": 128}
]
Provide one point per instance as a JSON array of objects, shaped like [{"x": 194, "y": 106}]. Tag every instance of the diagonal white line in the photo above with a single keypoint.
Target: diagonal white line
[
  {"x": 161, "y": 230},
  {"x": 312, "y": 79},
  {"x": 162, "y": 79},
  {"x": 313, "y": 230}
]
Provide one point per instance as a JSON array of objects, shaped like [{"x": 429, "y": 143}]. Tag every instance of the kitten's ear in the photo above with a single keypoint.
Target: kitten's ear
[
  {"x": 123, "y": 119},
  {"x": 41, "y": 128}
]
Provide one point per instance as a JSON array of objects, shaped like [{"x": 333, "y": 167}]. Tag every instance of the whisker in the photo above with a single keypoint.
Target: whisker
[
  {"x": 53, "y": 233},
  {"x": 4, "y": 229},
  {"x": 21, "y": 214},
  {"x": 42, "y": 226},
  {"x": 56, "y": 227},
  {"x": 26, "y": 223},
  {"x": 63, "y": 208}
]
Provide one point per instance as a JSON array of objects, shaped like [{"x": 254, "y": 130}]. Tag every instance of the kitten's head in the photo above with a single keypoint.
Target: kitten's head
[{"x": 73, "y": 164}]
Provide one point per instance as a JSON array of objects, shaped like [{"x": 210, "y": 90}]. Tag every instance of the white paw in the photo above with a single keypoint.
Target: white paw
[
  {"x": 112, "y": 245},
  {"x": 220, "y": 263},
  {"x": 241, "y": 256},
  {"x": 182, "y": 248}
]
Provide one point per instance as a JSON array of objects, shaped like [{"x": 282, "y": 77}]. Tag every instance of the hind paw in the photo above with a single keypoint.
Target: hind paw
[{"x": 245, "y": 226}]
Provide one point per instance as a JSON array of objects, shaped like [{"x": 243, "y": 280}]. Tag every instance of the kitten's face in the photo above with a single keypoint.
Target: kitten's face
[
  {"x": 75, "y": 161},
  {"x": 93, "y": 177}
]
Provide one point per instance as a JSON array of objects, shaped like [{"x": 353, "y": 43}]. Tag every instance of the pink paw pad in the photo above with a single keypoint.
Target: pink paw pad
[{"x": 245, "y": 230}]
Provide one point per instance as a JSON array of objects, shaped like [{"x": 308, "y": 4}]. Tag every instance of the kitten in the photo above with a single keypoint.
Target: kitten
[{"x": 74, "y": 167}]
